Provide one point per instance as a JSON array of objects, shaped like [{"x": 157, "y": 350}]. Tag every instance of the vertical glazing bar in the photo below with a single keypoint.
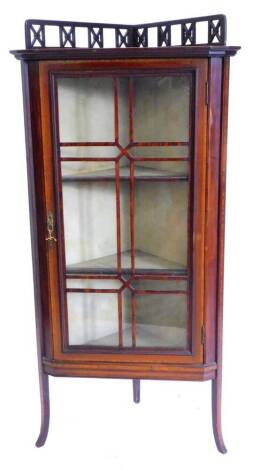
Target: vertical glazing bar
[
  {"x": 131, "y": 140},
  {"x": 116, "y": 110},
  {"x": 117, "y": 187},
  {"x": 131, "y": 110},
  {"x": 117, "y": 173},
  {"x": 132, "y": 215},
  {"x": 133, "y": 310},
  {"x": 60, "y": 234},
  {"x": 120, "y": 319},
  {"x": 189, "y": 215}
]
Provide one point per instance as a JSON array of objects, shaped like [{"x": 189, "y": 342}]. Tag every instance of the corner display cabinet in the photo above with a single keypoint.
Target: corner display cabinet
[{"x": 126, "y": 151}]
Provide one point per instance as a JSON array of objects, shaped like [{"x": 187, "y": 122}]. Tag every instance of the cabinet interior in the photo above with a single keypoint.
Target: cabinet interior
[{"x": 127, "y": 138}]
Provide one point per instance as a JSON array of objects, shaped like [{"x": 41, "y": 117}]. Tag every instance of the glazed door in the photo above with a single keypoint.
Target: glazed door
[{"x": 129, "y": 156}]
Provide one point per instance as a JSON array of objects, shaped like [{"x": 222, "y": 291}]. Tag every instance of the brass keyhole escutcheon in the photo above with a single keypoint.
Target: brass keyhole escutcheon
[{"x": 50, "y": 228}]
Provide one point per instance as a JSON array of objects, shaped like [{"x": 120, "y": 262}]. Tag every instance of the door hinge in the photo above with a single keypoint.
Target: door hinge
[
  {"x": 203, "y": 335},
  {"x": 207, "y": 93}
]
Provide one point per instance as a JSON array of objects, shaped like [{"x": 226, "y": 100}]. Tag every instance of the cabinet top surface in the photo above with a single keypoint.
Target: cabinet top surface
[
  {"x": 129, "y": 53},
  {"x": 64, "y": 40}
]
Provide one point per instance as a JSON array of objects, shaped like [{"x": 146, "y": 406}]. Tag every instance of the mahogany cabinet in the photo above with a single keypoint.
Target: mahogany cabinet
[{"x": 126, "y": 154}]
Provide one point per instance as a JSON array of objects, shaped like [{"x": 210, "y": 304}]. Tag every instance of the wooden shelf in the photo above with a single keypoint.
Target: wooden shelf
[
  {"x": 147, "y": 336},
  {"x": 144, "y": 262},
  {"x": 140, "y": 173}
]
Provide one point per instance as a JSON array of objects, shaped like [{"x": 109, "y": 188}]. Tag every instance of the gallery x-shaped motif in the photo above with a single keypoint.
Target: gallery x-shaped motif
[
  {"x": 38, "y": 35},
  {"x": 97, "y": 37},
  {"x": 188, "y": 33},
  {"x": 122, "y": 38},
  {"x": 215, "y": 31},
  {"x": 164, "y": 35},
  {"x": 67, "y": 36},
  {"x": 142, "y": 37}
]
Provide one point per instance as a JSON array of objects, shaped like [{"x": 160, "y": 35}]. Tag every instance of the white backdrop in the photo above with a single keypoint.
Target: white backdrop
[{"x": 94, "y": 423}]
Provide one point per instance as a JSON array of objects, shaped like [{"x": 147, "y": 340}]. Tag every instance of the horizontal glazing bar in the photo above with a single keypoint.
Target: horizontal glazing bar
[
  {"x": 149, "y": 291},
  {"x": 116, "y": 291},
  {"x": 160, "y": 159},
  {"x": 158, "y": 179},
  {"x": 91, "y": 276},
  {"x": 151, "y": 179},
  {"x": 157, "y": 144},
  {"x": 137, "y": 349},
  {"x": 151, "y": 277},
  {"x": 87, "y": 159},
  {"x": 87, "y": 144},
  {"x": 160, "y": 277},
  {"x": 92, "y": 291},
  {"x": 108, "y": 271},
  {"x": 132, "y": 144}
]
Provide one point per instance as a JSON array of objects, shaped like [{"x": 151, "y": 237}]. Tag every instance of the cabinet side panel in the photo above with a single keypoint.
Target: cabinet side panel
[
  {"x": 35, "y": 175},
  {"x": 222, "y": 202},
  {"x": 212, "y": 202}
]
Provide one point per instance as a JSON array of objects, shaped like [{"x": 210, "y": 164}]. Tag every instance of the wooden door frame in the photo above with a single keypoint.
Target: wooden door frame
[{"x": 199, "y": 67}]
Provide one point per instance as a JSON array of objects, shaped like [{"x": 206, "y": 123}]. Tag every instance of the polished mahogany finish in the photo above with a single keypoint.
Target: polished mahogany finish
[{"x": 208, "y": 69}]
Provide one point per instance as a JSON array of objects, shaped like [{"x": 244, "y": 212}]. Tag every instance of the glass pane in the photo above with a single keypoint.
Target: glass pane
[
  {"x": 123, "y": 107},
  {"x": 89, "y": 213},
  {"x": 126, "y": 319},
  {"x": 161, "y": 218},
  {"x": 161, "y": 321},
  {"x": 161, "y": 108},
  {"x": 160, "y": 311},
  {"x": 86, "y": 109},
  {"x": 86, "y": 170},
  {"x": 93, "y": 284},
  {"x": 90, "y": 151},
  {"x": 162, "y": 168},
  {"x": 92, "y": 319},
  {"x": 161, "y": 151},
  {"x": 142, "y": 170},
  {"x": 164, "y": 285}
]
